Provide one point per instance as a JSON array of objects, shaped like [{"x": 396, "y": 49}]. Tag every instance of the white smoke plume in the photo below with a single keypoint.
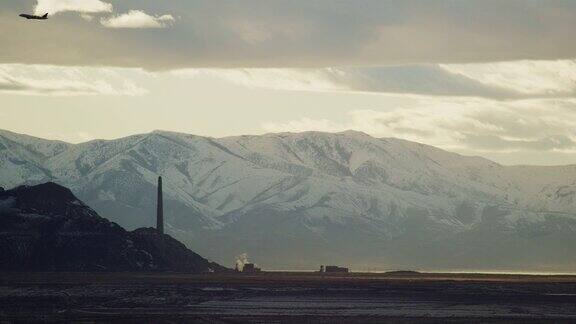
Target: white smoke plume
[{"x": 241, "y": 260}]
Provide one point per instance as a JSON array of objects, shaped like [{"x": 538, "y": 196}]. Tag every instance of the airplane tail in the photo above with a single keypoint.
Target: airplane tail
[{"x": 45, "y": 15}]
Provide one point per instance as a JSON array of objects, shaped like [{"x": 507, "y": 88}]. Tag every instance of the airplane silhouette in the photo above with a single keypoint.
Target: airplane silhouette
[{"x": 27, "y": 16}]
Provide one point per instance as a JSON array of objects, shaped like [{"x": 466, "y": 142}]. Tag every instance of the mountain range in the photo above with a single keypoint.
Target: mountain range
[{"x": 298, "y": 200}]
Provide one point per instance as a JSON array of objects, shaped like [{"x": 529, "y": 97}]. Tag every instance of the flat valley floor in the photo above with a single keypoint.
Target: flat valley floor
[{"x": 282, "y": 297}]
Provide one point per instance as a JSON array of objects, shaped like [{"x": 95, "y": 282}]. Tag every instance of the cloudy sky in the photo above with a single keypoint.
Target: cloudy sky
[{"x": 481, "y": 77}]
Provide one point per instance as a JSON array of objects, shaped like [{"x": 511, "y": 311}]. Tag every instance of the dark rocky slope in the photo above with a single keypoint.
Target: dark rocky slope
[{"x": 46, "y": 228}]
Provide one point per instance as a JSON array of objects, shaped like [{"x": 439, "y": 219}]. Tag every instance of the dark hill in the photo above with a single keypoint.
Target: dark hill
[{"x": 46, "y": 228}]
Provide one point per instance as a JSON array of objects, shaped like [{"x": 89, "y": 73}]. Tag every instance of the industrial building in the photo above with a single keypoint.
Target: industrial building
[
  {"x": 333, "y": 269},
  {"x": 250, "y": 268}
]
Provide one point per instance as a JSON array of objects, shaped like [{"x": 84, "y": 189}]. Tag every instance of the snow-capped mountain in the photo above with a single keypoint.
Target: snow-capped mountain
[{"x": 300, "y": 200}]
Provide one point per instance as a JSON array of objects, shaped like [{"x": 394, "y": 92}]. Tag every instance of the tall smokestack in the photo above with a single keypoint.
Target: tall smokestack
[{"x": 160, "y": 210}]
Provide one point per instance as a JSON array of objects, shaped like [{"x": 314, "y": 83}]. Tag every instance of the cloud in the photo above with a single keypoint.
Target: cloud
[
  {"x": 137, "y": 19},
  {"x": 502, "y": 80},
  {"x": 85, "y": 6},
  {"x": 278, "y": 79},
  {"x": 539, "y": 78},
  {"x": 296, "y": 34},
  {"x": 59, "y": 81},
  {"x": 462, "y": 124}
]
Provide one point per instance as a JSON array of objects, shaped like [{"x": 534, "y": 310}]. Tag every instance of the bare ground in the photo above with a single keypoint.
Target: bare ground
[{"x": 285, "y": 298}]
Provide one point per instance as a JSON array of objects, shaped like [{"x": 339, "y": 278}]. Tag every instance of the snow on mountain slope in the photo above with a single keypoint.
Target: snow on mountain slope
[
  {"x": 22, "y": 158},
  {"x": 296, "y": 200}
]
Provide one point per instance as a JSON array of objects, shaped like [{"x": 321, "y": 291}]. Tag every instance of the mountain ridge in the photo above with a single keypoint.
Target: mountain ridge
[
  {"x": 263, "y": 194},
  {"x": 270, "y": 134},
  {"x": 350, "y": 131}
]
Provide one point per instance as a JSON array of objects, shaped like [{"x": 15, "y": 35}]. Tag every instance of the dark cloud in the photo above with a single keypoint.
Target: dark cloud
[
  {"x": 500, "y": 81},
  {"x": 418, "y": 79},
  {"x": 311, "y": 33}
]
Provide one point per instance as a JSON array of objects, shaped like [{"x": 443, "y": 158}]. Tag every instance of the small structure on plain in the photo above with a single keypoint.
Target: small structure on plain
[{"x": 333, "y": 269}]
